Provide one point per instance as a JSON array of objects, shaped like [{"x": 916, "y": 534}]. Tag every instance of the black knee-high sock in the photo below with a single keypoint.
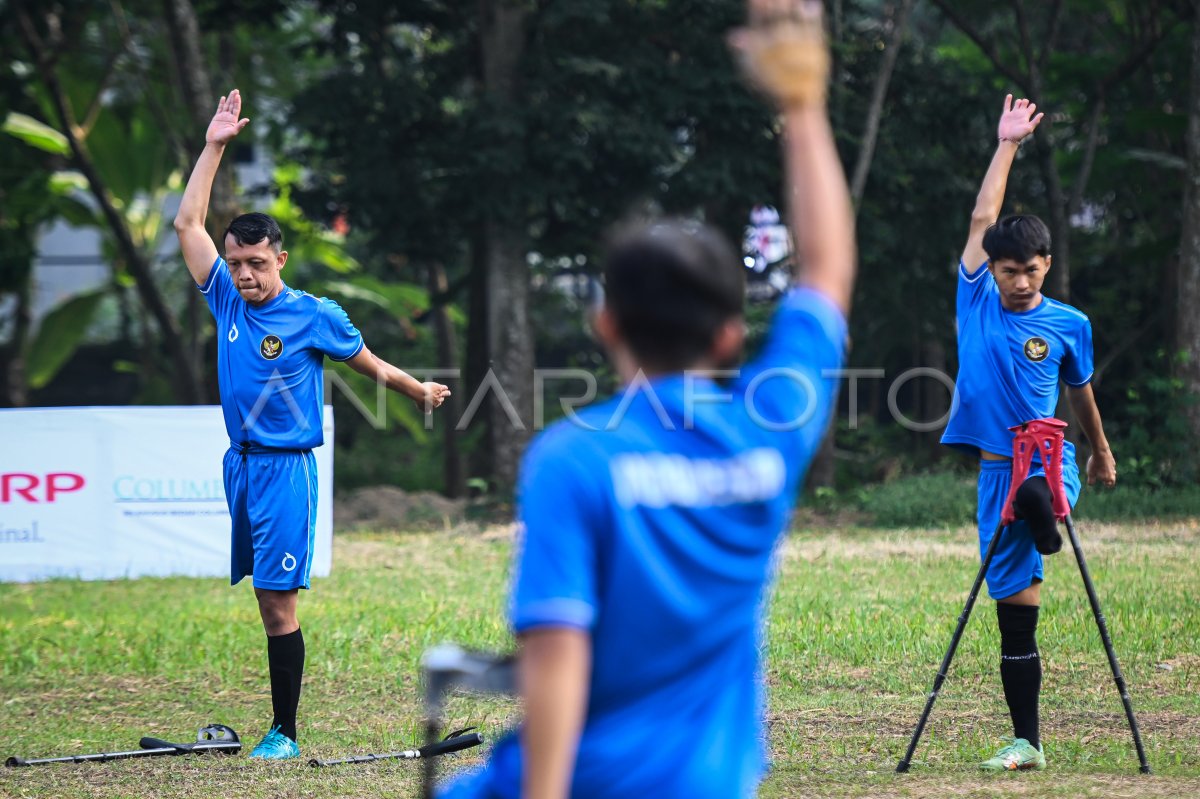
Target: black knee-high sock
[
  {"x": 1020, "y": 667},
  {"x": 285, "y": 659},
  {"x": 1034, "y": 504}
]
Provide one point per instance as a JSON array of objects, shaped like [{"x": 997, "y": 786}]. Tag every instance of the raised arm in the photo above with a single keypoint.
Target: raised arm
[
  {"x": 783, "y": 52},
  {"x": 1016, "y": 122},
  {"x": 199, "y": 252},
  {"x": 821, "y": 217}
]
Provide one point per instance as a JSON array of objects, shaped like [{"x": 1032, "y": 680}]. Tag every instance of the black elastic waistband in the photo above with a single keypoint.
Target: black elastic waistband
[{"x": 251, "y": 448}]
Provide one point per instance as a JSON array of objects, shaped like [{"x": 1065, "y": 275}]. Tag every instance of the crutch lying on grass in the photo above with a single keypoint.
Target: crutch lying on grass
[
  {"x": 215, "y": 738},
  {"x": 454, "y": 742},
  {"x": 1045, "y": 436},
  {"x": 447, "y": 668}
]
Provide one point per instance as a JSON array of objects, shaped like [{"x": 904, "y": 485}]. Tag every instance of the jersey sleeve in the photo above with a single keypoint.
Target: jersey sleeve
[
  {"x": 1078, "y": 366},
  {"x": 972, "y": 288},
  {"x": 561, "y": 511},
  {"x": 218, "y": 290},
  {"x": 791, "y": 387},
  {"x": 334, "y": 334}
]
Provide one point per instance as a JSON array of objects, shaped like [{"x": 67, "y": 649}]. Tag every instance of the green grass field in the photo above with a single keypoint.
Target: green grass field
[{"x": 859, "y": 621}]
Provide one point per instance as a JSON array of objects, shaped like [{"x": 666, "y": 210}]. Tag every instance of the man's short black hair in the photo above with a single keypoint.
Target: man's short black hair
[
  {"x": 1017, "y": 238},
  {"x": 670, "y": 286},
  {"x": 252, "y": 228}
]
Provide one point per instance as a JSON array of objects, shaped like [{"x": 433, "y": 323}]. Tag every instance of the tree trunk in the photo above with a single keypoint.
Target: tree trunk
[
  {"x": 477, "y": 353},
  {"x": 187, "y": 47},
  {"x": 1187, "y": 318},
  {"x": 194, "y": 316},
  {"x": 510, "y": 335},
  {"x": 195, "y": 87},
  {"x": 184, "y": 30},
  {"x": 935, "y": 397},
  {"x": 896, "y": 26},
  {"x": 1058, "y": 281},
  {"x": 454, "y": 477},
  {"x": 15, "y": 383},
  {"x": 821, "y": 470},
  {"x": 510, "y": 343},
  {"x": 836, "y": 35}
]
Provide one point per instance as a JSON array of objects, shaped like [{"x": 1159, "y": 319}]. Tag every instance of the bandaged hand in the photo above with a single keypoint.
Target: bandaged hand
[{"x": 783, "y": 52}]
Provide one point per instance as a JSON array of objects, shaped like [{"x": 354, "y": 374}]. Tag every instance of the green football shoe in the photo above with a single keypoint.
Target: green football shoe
[
  {"x": 1020, "y": 755},
  {"x": 276, "y": 746}
]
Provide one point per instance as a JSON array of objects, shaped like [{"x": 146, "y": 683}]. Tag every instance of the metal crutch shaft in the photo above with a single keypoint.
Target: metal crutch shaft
[
  {"x": 1118, "y": 678},
  {"x": 905, "y": 761}
]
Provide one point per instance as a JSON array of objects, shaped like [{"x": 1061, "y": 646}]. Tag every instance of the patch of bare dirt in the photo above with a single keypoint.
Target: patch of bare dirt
[
  {"x": 424, "y": 552},
  {"x": 390, "y": 508}
]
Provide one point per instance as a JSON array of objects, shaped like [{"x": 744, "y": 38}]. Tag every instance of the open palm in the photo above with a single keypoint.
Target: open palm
[
  {"x": 225, "y": 123},
  {"x": 1018, "y": 119}
]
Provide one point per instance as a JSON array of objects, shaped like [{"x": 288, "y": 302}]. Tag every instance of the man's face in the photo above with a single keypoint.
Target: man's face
[
  {"x": 1020, "y": 283},
  {"x": 255, "y": 269}
]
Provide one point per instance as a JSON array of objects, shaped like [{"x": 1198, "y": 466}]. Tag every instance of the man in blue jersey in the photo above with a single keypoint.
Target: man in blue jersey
[
  {"x": 271, "y": 344},
  {"x": 1014, "y": 346},
  {"x": 648, "y": 522}
]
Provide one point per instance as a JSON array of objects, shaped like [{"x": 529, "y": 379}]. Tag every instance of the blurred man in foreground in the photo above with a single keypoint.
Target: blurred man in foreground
[{"x": 649, "y": 521}]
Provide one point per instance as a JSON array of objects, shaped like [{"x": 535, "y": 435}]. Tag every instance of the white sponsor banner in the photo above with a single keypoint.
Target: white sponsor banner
[{"x": 107, "y": 493}]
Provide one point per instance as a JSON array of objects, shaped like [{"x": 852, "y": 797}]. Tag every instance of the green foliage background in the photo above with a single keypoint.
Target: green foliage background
[{"x": 374, "y": 115}]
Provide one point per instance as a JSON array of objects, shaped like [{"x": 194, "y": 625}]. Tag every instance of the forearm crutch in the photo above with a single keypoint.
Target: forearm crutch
[
  {"x": 1046, "y": 437},
  {"x": 215, "y": 738},
  {"x": 453, "y": 742},
  {"x": 448, "y": 667}
]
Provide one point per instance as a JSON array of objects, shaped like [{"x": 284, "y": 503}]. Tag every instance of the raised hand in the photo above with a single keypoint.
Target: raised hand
[
  {"x": 782, "y": 51},
  {"x": 225, "y": 123},
  {"x": 1018, "y": 120}
]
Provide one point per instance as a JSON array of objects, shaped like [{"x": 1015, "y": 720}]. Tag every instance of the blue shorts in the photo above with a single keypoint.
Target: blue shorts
[
  {"x": 1017, "y": 563},
  {"x": 272, "y": 498}
]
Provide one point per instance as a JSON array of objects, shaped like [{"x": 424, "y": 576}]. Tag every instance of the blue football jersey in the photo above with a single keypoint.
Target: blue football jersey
[
  {"x": 1010, "y": 364},
  {"x": 270, "y": 358},
  {"x": 650, "y": 521}
]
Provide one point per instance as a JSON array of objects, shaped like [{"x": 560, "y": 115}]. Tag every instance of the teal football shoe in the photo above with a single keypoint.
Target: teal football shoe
[
  {"x": 1020, "y": 755},
  {"x": 276, "y": 746}
]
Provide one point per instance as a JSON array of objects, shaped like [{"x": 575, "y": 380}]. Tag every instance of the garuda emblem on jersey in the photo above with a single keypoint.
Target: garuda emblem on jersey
[
  {"x": 1037, "y": 348},
  {"x": 271, "y": 348}
]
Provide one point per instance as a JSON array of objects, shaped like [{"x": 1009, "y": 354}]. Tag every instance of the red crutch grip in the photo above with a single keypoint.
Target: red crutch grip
[{"x": 1044, "y": 436}]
